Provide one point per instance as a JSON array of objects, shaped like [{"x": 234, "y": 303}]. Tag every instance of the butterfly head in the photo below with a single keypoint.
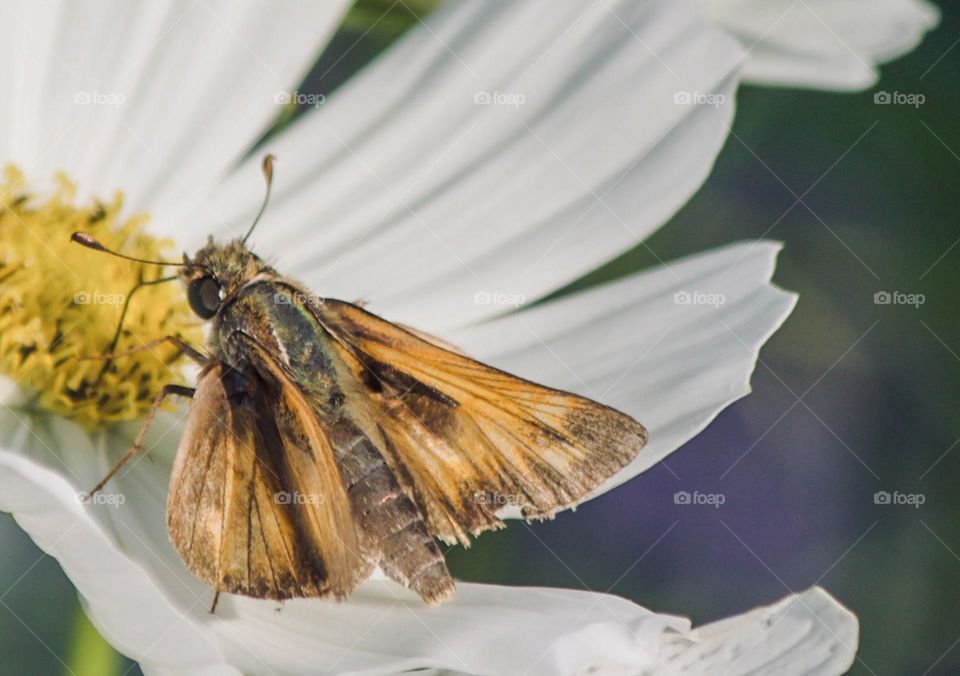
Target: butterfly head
[{"x": 216, "y": 273}]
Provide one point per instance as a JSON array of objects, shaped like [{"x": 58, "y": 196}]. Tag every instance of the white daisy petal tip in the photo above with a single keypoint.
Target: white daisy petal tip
[
  {"x": 808, "y": 633},
  {"x": 823, "y": 44}
]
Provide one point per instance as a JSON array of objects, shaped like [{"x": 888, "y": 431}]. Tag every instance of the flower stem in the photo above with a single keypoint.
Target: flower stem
[{"x": 90, "y": 654}]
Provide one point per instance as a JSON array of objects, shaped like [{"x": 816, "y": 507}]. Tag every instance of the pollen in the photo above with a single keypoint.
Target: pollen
[{"x": 61, "y": 304}]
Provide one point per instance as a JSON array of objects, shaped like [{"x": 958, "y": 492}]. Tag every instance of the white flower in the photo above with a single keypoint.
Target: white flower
[
  {"x": 826, "y": 44},
  {"x": 497, "y": 152}
]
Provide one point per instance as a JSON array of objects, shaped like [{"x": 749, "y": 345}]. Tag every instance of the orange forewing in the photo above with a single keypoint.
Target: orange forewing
[{"x": 467, "y": 439}]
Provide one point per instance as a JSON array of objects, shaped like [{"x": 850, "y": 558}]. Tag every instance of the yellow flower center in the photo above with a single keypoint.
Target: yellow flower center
[{"x": 60, "y": 306}]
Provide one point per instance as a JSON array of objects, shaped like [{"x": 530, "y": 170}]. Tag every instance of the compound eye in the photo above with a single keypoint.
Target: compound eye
[{"x": 203, "y": 294}]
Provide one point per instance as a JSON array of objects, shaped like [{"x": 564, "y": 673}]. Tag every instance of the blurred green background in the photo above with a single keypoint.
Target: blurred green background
[{"x": 800, "y": 506}]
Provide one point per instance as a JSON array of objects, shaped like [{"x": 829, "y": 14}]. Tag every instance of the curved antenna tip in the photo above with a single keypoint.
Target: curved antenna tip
[
  {"x": 267, "y": 168},
  {"x": 88, "y": 241}
]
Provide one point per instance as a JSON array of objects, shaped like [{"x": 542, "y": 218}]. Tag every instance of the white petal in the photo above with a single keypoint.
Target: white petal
[
  {"x": 148, "y": 612},
  {"x": 25, "y": 31},
  {"x": 485, "y": 629},
  {"x": 158, "y": 99},
  {"x": 403, "y": 190},
  {"x": 826, "y": 44},
  {"x": 119, "y": 596},
  {"x": 808, "y": 633},
  {"x": 635, "y": 345}
]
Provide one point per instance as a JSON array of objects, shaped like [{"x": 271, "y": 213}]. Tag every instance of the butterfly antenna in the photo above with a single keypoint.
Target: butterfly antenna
[
  {"x": 88, "y": 241},
  {"x": 267, "y": 169}
]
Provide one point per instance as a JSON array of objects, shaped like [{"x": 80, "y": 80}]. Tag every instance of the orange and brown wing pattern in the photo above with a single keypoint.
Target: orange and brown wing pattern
[
  {"x": 255, "y": 505},
  {"x": 467, "y": 439}
]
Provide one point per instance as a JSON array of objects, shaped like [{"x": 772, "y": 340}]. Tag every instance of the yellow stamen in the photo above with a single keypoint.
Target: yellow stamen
[{"x": 60, "y": 302}]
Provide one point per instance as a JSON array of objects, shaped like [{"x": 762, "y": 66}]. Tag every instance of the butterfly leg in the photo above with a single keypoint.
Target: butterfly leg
[
  {"x": 123, "y": 316},
  {"x": 216, "y": 597},
  {"x": 167, "y": 391},
  {"x": 180, "y": 344}
]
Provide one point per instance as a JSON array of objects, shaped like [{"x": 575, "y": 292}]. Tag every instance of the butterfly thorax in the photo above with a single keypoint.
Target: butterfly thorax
[{"x": 275, "y": 314}]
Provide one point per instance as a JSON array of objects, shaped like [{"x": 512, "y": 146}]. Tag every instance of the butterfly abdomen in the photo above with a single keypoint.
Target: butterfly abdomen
[{"x": 392, "y": 529}]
